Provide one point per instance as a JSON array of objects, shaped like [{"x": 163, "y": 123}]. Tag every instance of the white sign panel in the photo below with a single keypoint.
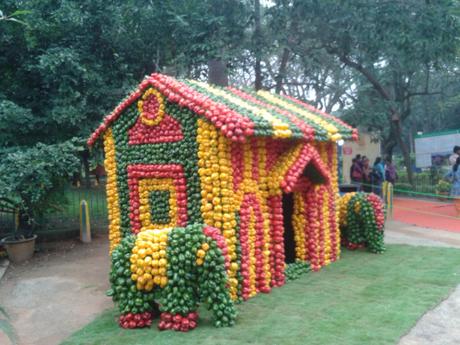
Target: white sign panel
[{"x": 431, "y": 146}]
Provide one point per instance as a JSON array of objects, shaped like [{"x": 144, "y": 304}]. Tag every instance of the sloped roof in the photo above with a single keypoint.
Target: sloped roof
[{"x": 241, "y": 113}]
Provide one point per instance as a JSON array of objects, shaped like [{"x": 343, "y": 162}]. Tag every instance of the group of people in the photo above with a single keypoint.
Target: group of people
[{"x": 370, "y": 178}]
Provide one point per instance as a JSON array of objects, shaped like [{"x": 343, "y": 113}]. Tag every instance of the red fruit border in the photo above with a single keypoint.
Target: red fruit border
[{"x": 137, "y": 172}]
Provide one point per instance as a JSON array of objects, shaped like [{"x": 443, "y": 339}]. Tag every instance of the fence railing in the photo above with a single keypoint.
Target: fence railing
[
  {"x": 424, "y": 182},
  {"x": 8, "y": 220},
  {"x": 66, "y": 218}
]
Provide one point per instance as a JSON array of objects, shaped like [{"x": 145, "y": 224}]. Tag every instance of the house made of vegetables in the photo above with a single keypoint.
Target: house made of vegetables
[{"x": 260, "y": 167}]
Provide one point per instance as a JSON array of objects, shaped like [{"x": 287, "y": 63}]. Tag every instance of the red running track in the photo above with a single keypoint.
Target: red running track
[{"x": 427, "y": 214}]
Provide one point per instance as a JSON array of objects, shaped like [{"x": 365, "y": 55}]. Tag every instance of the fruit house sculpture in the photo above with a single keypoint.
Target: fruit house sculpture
[{"x": 211, "y": 191}]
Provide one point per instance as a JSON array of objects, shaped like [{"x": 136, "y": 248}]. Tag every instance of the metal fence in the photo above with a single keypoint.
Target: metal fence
[
  {"x": 67, "y": 217},
  {"x": 7, "y": 222},
  {"x": 424, "y": 182},
  {"x": 65, "y": 220}
]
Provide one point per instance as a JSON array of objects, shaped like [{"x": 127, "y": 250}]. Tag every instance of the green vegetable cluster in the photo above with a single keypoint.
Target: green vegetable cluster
[
  {"x": 362, "y": 227},
  {"x": 123, "y": 288},
  {"x": 191, "y": 279},
  {"x": 294, "y": 270}
]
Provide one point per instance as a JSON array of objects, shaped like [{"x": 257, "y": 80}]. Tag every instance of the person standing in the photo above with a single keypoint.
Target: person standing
[
  {"x": 454, "y": 176},
  {"x": 356, "y": 172},
  {"x": 390, "y": 172},
  {"x": 367, "y": 186},
  {"x": 353, "y": 161},
  {"x": 453, "y": 157},
  {"x": 378, "y": 175}
]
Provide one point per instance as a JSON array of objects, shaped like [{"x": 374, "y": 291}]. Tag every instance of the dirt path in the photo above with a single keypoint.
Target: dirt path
[
  {"x": 63, "y": 287},
  {"x": 58, "y": 292}
]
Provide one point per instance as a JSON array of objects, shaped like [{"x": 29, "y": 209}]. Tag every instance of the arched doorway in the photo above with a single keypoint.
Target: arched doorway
[{"x": 312, "y": 172}]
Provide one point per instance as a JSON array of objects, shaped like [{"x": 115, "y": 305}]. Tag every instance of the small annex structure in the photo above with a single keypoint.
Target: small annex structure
[{"x": 259, "y": 167}]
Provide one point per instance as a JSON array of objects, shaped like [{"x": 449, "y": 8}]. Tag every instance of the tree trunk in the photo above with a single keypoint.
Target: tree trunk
[
  {"x": 217, "y": 72},
  {"x": 282, "y": 71},
  {"x": 26, "y": 224},
  {"x": 258, "y": 72},
  {"x": 396, "y": 124},
  {"x": 395, "y": 117},
  {"x": 257, "y": 45},
  {"x": 388, "y": 147}
]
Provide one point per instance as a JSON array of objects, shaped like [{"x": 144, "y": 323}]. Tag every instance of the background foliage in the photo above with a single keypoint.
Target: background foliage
[{"x": 388, "y": 66}]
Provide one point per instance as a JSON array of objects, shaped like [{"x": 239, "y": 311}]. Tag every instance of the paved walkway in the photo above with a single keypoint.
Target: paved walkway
[
  {"x": 427, "y": 213},
  {"x": 401, "y": 233},
  {"x": 439, "y": 326}
]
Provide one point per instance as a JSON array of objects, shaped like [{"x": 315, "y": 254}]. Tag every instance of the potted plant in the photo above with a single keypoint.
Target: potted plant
[
  {"x": 31, "y": 183},
  {"x": 20, "y": 245},
  {"x": 19, "y": 248},
  {"x": 443, "y": 189}
]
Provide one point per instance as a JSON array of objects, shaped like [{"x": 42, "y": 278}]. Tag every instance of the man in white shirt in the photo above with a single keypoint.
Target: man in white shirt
[{"x": 453, "y": 157}]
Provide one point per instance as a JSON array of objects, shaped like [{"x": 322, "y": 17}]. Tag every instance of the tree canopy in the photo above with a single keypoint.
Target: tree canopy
[{"x": 388, "y": 66}]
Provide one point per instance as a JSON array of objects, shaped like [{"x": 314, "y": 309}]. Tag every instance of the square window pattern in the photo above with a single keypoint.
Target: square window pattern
[
  {"x": 158, "y": 198},
  {"x": 151, "y": 210},
  {"x": 159, "y": 206}
]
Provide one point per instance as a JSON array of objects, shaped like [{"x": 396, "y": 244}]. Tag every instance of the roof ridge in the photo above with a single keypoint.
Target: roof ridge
[{"x": 238, "y": 113}]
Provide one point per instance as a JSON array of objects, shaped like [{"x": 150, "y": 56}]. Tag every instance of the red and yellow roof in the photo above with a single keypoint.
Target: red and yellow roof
[{"x": 240, "y": 114}]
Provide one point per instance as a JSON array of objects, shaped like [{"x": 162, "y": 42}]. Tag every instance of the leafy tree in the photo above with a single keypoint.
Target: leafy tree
[
  {"x": 33, "y": 183},
  {"x": 271, "y": 58},
  {"x": 386, "y": 65},
  {"x": 65, "y": 64},
  {"x": 13, "y": 17},
  {"x": 388, "y": 45},
  {"x": 438, "y": 111}
]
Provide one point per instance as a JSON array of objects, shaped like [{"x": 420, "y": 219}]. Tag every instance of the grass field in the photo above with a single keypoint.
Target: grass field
[{"x": 362, "y": 299}]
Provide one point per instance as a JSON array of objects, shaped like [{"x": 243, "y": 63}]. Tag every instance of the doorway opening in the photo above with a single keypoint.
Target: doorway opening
[{"x": 288, "y": 235}]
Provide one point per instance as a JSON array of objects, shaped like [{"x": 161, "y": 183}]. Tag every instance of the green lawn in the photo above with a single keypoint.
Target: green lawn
[{"x": 362, "y": 299}]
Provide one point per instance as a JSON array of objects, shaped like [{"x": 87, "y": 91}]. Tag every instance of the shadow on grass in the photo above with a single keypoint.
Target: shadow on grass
[{"x": 363, "y": 298}]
